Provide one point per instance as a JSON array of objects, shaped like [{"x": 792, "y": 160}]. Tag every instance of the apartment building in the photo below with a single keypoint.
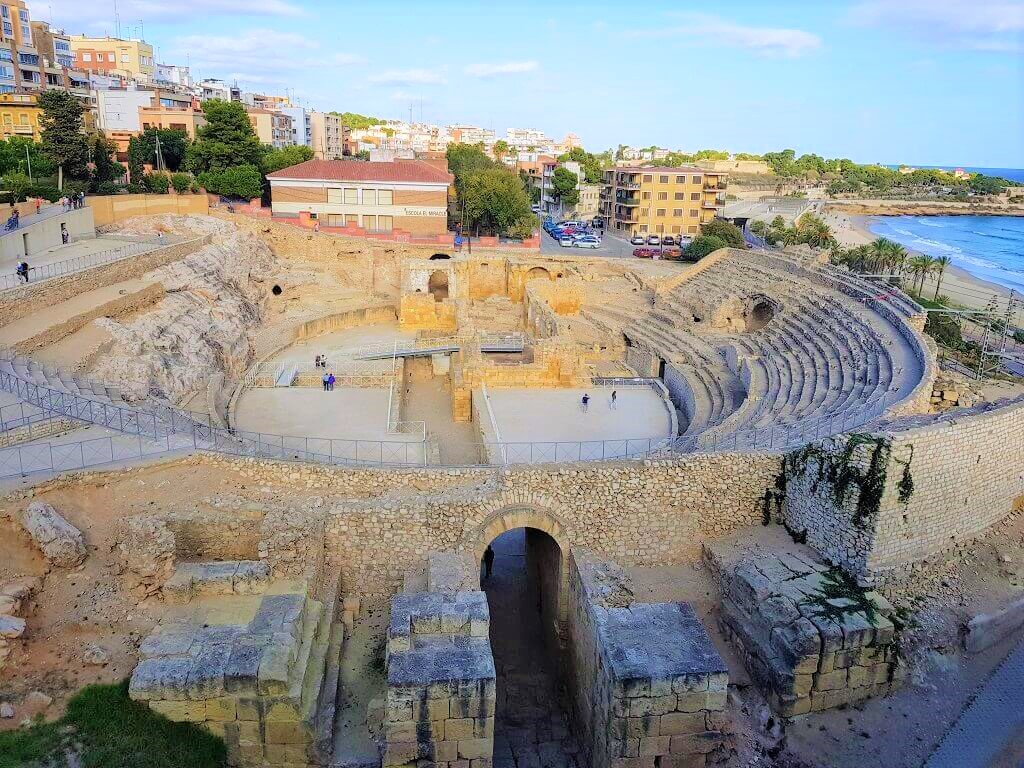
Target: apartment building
[
  {"x": 211, "y": 88},
  {"x": 132, "y": 59},
  {"x": 19, "y": 115},
  {"x": 589, "y": 206},
  {"x": 273, "y": 128},
  {"x": 266, "y": 101},
  {"x": 471, "y": 134},
  {"x": 302, "y": 127},
  {"x": 327, "y": 136},
  {"x": 173, "y": 75},
  {"x": 33, "y": 56},
  {"x": 661, "y": 200},
  {"x": 406, "y": 195},
  {"x": 525, "y": 138},
  {"x": 121, "y": 109}
]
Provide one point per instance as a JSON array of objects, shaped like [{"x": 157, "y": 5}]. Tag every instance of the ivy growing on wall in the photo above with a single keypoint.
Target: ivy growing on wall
[{"x": 842, "y": 472}]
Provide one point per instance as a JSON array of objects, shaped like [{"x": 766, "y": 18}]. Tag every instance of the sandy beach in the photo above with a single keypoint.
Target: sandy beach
[{"x": 959, "y": 285}]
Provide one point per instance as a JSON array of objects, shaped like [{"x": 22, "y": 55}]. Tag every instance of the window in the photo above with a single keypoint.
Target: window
[
  {"x": 695, "y": 195},
  {"x": 110, "y": 58},
  {"x": 5, "y": 11},
  {"x": 351, "y": 220},
  {"x": 369, "y": 197},
  {"x": 679, "y": 196},
  {"x": 661, "y": 212},
  {"x": 675, "y": 230},
  {"x": 28, "y": 58},
  {"x": 696, "y": 179},
  {"x": 5, "y": 54},
  {"x": 62, "y": 46},
  {"x": 643, "y": 227},
  {"x": 26, "y": 34},
  {"x": 663, "y": 195},
  {"x": 351, "y": 196},
  {"x": 694, "y": 212},
  {"x": 369, "y": 222},
  {"x": 384, "y": 198},
  {"x": 680, "y": 179},
  {"x": 7, "y": 118},
  {"x": 663, "y": 179},
  {"x": 125, "y": 58},
  {"x": 646, "y": 196},
  {"x": 677, "y": 213},
  {"x": 648, "y": 177},
  {"x": 7, "y": 73},
  {"x": 334, "y": 195},
  {"x": 86, "y": 56},
  {"x": 23, "y": 119},
  {"x": 660, "y": 228},
  {"x": 23, "y": 15},
  {"x": 8, "y": 29},
  {"x": 691, "y": 230}
]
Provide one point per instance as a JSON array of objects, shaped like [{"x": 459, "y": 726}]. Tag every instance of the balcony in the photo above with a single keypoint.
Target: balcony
[
  {"x": 628, "y": 201},
  {"x": 711, "y": 203},
  {"x": 631, "y": 185},
  {"x": 713, "y": 187},
  {"x": 24, "y": 130}
]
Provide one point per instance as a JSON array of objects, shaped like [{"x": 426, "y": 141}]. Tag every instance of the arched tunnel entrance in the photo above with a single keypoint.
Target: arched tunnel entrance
[
  {"x": 524, "y": 594},
  {"x": 438, "y": 285}
]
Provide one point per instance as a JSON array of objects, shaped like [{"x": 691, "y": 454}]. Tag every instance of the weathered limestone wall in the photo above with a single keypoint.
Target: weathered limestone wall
[
  {"x": 646, "y": 681},
  {"x": 110, "y": 209},
  {"x": 419, "y": 311},
  {"x": 935, "y": 482},
  {"x": 352, "y": 318},
  {"x": 642, "y": 513},
  {"x": 37, "y": 296}
]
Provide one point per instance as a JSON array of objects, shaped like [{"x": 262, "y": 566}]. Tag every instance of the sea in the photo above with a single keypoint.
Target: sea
[{"x": 988, "y": 247}]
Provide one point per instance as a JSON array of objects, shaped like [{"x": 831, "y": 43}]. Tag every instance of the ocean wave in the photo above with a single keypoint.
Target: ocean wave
[
  {"x": 995, "y": 237},
  {"x": 930, "y": 223},
  {"x": 977, "y": 262},
  {"x": 923, "y": 241}
]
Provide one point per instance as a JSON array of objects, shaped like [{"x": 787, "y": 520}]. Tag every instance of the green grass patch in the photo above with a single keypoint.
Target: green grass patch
[{"x": 106, "y": 729}]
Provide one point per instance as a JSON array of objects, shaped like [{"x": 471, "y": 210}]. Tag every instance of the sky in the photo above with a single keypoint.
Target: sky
[{"x": 922, "y": 82}]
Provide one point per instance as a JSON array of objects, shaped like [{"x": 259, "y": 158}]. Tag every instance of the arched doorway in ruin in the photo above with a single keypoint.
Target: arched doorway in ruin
[
  {"x": 439, "y": 256},
  {"x": 760, "y": 314},
  {"x": 437, "y": 284},
  {"x": 525, "y": 599},
  {"x": 536, "y": 273}
]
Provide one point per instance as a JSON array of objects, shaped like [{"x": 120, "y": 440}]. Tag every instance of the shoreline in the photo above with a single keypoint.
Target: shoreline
[{"x": 958, "y": 284}]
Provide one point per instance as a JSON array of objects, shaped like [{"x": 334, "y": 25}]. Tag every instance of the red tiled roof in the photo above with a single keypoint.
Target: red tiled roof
[{"x": 359, "y": 170}]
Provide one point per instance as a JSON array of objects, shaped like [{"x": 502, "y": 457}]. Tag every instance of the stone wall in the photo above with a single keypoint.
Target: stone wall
[
  {"x": 419, "y": 311},
  {"x": 637, "y": 513},
  {"x": 110, "y": 209},
  {"x": 646, "y": 681},
  {"x": 38, "y": 296},
  {"x": 933, "y": 483}
]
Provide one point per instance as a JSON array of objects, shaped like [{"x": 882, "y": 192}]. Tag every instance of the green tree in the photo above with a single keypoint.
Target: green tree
[
  {"x": 939, "y": 265},
  {"x": 18, "y": 152},
  {"x": 355, "y": 121},
  {"x": 173, "y": 144},
  {"x": 244, "y": 181},
  {"x": 105, "y": 168},
  {"x": 62, "y": 136},
  {"x": 182, "y": 182},
  {"x": 136, "y": 159},
  {"x": 495, "y": 202},
  {"x": 987, "y": 185},
  {"x": 725, "y": 231},
  {"x": 500, "y": 149},
  {"x": 17, "y": 184},
  {"x": 592, "y": 165},
  {"x": 701, "y": 246},
  {"x": 158, "y": 182},
  {"x": 285, "y": 157},
  {"x": 563, "y": 182},
  {"x": 227, "y": 140},
  {"x": 464, "y": 160}
]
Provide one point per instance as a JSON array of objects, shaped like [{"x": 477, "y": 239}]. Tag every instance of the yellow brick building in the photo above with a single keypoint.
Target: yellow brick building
[
  {"x": 19, "y": 115},
  {"x": 660, "y": 200}
]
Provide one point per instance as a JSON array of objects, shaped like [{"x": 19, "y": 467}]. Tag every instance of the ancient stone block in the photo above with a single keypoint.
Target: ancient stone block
[
  {"x": 59, "y": 541},
  {"x": 682, "y": 722}
]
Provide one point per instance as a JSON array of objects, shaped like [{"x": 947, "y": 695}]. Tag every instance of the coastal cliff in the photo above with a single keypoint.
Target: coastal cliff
[{"x": 924, "y": 208}]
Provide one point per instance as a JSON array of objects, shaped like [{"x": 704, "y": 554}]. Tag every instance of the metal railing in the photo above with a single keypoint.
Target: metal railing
[{"x": 82, "y": 263}]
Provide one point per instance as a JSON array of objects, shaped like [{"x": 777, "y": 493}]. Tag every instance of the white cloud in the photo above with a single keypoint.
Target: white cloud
[
  {"x": 777, "y": 42},
  {"x": 504, "y": 68},
  {"x": 984, "y": 25},
  {"x": 77, "y": 16},
  {"x": 408, "y": 77},
  {"x": 253, "y": 55}
]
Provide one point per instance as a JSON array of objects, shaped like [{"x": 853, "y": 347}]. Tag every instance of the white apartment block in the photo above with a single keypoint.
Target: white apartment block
[
  {"x": 302, "y": 126},
  {"x": 525, "y": 138}
]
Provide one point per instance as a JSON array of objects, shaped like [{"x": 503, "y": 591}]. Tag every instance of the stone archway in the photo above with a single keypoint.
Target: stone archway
[
  {"x": 537, "y": 273},
  {"x": 439, "y": 256}
]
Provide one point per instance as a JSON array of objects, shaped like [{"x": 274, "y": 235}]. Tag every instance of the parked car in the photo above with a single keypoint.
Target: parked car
[
  {"x": 653, "y": 240},
  {"x": 566, "y": 241},
  {"x": 587, "y": 241},
  {"x": 536, "y": 208},
  {"x": 637, "y": 240},
  {"x": 668, "y": 240},
  {"x": 643, "y": 253}
]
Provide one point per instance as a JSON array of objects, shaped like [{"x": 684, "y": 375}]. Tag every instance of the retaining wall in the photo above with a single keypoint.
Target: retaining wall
[{"x": 110, "y": 209}]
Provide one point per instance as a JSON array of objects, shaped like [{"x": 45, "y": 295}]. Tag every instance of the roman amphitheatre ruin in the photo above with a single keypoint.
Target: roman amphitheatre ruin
[{"x": 759, "y": 542}]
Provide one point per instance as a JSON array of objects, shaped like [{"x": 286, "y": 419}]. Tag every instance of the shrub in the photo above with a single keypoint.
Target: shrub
[
  {"x": 108, "y": 188},
  {"x": 725, "y": 231},
  {"x": 157, "y": 183},
  {"x": 242, "y": 181},
  {"x": 45, "y": 191},
  {"x": 701, "y": 246},
  {"x": 181, "y": 182}
]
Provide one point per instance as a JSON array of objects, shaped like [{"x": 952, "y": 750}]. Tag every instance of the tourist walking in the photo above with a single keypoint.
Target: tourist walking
[
  {"x": 330, "y": 383},
  {"x": 316, "y": 363},
  {"x": 488, "y": 561},
  {"x": 326, "y": 382},
  {"x": 614, "y": 397},
  {"x": 39, "y": 205},
  {"x": 64, "y": 235},
  {"x": 316, "y": 225},
  {"x": 585, "y": 402},
  {"x": 22, "y": 271}
]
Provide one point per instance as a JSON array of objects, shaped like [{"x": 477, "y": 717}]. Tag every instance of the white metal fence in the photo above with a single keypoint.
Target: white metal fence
[{"x": 82, "y": 263}]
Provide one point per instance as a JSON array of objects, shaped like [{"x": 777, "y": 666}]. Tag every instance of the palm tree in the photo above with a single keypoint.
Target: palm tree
[
  {"x": 920, "y": 267},
  {"x": 898, "y": 255},
  {"x": 881, "y": 250},
  {"x": 939, "y": 265}
]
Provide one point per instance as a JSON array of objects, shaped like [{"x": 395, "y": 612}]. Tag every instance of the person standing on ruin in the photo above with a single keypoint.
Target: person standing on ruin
[
  {"x": 585, "y": 402},
  {"x": 316, "y": 362},
  {"x": 488, "y": 561},
  {"x": 614, "y": 397},
  {"x": 326, "y": 382},
  {"x": 330, "y": 383}
]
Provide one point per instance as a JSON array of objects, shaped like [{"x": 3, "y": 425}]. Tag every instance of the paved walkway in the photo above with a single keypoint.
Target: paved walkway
[
  {"x": 531, "y": 730},
  {"x": 990, "y": 723}
]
